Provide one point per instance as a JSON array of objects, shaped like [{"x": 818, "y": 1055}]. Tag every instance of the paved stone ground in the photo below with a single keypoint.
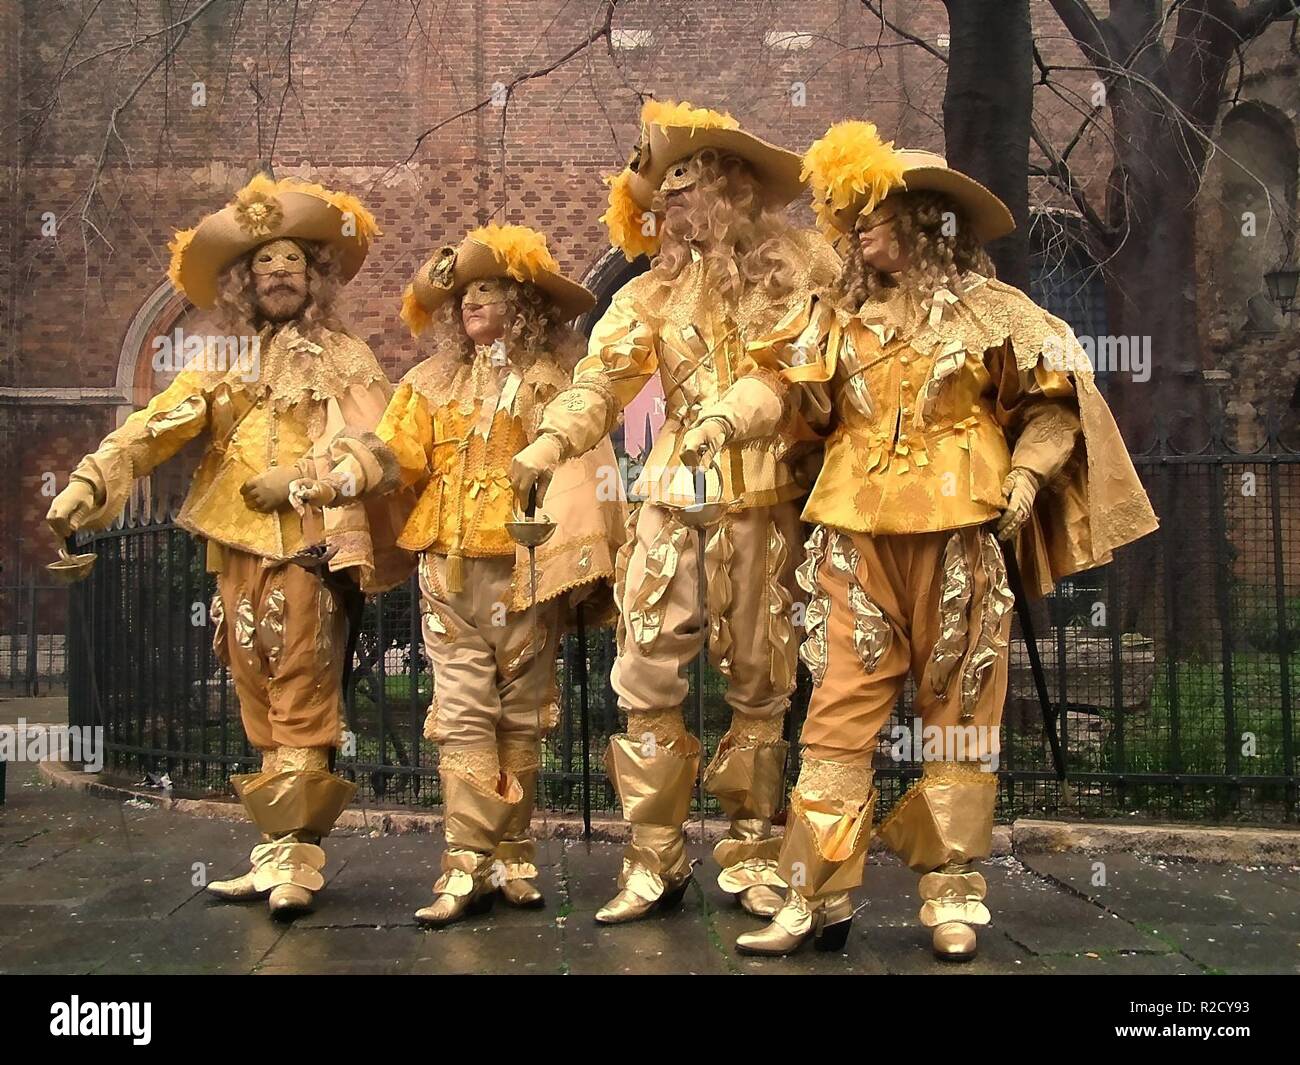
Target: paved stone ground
[{"x": 92, "y": 886}]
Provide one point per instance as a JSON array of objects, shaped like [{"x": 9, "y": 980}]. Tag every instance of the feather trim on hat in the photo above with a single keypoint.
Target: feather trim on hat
[
  {"x": 625, "y": 219},
  {"x": 414, "y": 313},
  {"x": 846, "y": 164},
  {"x": 667, "y": 113},
  {"x": 177, "y": 245},
  {"x": 259, "y": 213},
  {"x": 520, "y": 249}
]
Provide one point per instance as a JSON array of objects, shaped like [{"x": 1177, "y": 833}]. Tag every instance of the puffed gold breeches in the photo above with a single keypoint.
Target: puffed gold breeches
[
  {"x": 932, "y": 605},
  {"x": 494, "y": 680},
  {"x": 494, "y": 697},
  {"x": 749, "y": 564},
  {"x": 282, "y": 632}
]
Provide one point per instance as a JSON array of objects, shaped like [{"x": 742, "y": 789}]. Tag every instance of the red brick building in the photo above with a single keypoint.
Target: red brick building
[{"x": 404, "y": 106}]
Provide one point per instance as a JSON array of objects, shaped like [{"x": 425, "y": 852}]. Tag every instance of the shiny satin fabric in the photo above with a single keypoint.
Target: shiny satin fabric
[
  {"x": 653, "y": 780},
  {"x": 825, "y": 844},
  {"x": 301, "y": 801},
  {"x": 946, "y": 816}
]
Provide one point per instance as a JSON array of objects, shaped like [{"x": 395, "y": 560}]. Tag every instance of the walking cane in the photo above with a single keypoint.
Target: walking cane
[
  {"x": 1026, "y": 618},
  {"x": 584, "y": 716}
]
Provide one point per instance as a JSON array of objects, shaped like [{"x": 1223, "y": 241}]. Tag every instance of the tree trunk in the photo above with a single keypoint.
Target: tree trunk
[{"x": 987, "y": 106}]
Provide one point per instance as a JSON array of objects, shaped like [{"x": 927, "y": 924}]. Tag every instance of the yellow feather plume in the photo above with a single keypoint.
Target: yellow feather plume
[
  {"x": 521, "y": 250},
  {"x": 667, "y": 113},
  {"x": 625, "y": 219},
  {"x": 850, "y": 165},
  {"x": 177, "y": 245},
  {"x": 414, "y": 313}
]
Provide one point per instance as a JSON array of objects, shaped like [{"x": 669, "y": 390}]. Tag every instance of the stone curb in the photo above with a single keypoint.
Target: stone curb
[{"x": 1242, "y": 846}]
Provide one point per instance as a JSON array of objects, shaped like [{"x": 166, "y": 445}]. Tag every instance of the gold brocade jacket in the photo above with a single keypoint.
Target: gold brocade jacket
[
  {"x": 926, "y": 413},
  {"x": 697, "y": 343},
  {"x": 285, "y": 409},
  {"x": 451, "y": 431}
]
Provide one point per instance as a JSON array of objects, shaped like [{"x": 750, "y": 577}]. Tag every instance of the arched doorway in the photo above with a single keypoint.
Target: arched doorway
[{"x": 141, "y": 376}]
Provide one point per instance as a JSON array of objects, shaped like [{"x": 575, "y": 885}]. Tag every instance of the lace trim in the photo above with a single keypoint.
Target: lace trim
[
  {"x": 293, "y": 367},
  {"x": 835, "y": 779},
  {"x": 302, "y": 759},
  {"x": 665, "y": 725},
  {"x": 746, "y": 731},
  {"x": 518, "y": 757},
  {"x": 478, "y": 763}
]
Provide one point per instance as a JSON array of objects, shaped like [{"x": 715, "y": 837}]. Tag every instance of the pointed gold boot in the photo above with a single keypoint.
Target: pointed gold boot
[
  {"x": 653, "y": 780},
  {"x": 822, "y": 857},
  {"x": 294, "y": 801},
  {"x": 475, "y": 817},
  {"x": 655, "y": 876},
  {"x": 826, "y": 921}
]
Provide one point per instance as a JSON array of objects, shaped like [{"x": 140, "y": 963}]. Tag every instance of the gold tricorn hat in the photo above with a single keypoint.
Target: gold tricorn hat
[
  {"x": 263, "y": 210},
  {"x": 852, "y": 170},
  {"x": 515, "y": 252},
  {"x": 670, "y": 134}
]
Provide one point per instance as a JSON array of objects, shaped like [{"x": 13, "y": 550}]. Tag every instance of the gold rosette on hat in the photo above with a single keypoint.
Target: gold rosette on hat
[
  {"x": 851, "y": 171},
  {"x": 267, "y": 209},
  {"x": 670, "y": 134},
  {"x": 492, "y": 251}
]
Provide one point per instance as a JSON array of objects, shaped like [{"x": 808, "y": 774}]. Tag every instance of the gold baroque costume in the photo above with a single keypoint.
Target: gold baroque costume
[
  {"x": 280, "y": 627},
  {"x": 928, "y": 406},
  {"x": 696, "y": 339},
  {"x": 451, "y": 431}
]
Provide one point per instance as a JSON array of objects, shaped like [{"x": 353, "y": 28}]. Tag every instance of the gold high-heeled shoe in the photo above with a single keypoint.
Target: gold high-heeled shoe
[
  {"x": 826, "y": 922},
  {"x": 627, "y": 905}
]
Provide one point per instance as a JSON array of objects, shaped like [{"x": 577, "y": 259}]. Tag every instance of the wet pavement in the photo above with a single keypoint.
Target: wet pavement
[{"x": 89, "y": 885}]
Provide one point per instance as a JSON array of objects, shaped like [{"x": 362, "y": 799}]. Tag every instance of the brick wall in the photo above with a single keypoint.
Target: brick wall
[{"x": 367, "y": 81}]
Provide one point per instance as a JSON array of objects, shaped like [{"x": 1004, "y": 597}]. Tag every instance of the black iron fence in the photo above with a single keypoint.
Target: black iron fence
[
  {"x": 33, "y": 623},
  {"x": 1174, "y": 669}
]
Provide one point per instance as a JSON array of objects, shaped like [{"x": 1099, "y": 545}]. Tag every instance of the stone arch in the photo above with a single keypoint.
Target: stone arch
[
  {"x": 161, "y": 312},
  {"x": 1250, "y": 216}
]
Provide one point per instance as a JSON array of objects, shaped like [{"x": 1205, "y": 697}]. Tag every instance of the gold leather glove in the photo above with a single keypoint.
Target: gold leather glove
[
  {"x": 535, "y": 464},
  {"x": 1020, "y": 488},
  {"x": 310, "y": 493},
  {"x": 70, "y": 508},
  {"x": 701, "y": 444},
  {"x": 270, "y": 490}
]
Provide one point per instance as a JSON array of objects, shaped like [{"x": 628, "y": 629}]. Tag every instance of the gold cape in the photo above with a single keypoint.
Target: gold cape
[{"x": 1093, "y": 506}]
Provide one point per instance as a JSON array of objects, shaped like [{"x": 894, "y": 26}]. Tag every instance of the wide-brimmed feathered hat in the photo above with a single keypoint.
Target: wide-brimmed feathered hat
[
  {"x": 851, "y": 170},
  {"x": 670, "y": 134},
  {"x": 264, "y": 210},
  {"x": 515, "y": 252}
]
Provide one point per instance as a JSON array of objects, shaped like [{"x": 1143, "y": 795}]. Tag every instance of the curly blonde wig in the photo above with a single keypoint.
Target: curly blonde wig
[
  {"x": 537, "y": 330},
  {"x": 236, "y": 304},
  {"x": 742, "y": 241},
  {"x": 936, "y": 243}
]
